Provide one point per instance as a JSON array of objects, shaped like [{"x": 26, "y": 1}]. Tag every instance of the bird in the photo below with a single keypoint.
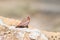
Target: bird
[{"x": 24, "y": 23}]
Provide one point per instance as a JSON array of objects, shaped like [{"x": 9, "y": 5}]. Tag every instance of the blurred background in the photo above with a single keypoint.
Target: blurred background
[{"x": 45, "y": 14}]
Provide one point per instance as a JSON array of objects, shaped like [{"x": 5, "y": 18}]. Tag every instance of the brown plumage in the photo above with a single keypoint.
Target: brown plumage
[{"x": 24, "y": 23}]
